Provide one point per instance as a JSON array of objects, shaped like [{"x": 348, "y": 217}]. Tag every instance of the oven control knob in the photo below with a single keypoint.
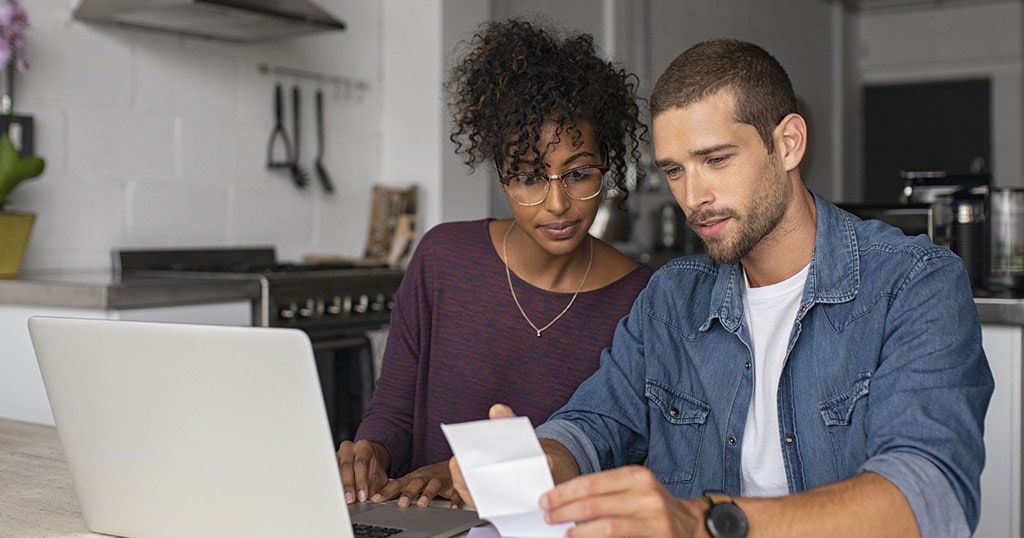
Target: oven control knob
[
  {"x": 335, "y": 306},
  {"x": 347, "y": 304},
  {"x": 308, "y": 309},
  {"x": 289, "y": 311},
  {"x": 379, "y": 303},
  {"x": 363, "y": 305}
]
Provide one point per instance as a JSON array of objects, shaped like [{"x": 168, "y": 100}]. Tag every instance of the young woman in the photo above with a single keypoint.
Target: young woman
[{"x": 513, "y": 311}]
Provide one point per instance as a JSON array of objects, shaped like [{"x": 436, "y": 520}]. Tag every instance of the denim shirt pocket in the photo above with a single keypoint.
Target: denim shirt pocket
[
  {"x": 838, "y": 410},
  {"x": 843, "y": 414},
  {"x": 677, "y": 432}
]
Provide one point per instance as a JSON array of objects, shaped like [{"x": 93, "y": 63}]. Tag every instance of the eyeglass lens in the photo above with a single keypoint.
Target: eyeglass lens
[{"x": 579, "y": 183}]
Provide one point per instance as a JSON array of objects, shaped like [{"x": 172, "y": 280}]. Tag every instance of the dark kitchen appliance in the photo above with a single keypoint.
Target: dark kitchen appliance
[
  {"x": 941, "y": 189},
  {"x": 969, "y": 237},
  {"x": 913, "y": 219},
  {"x": 336, "y": 304}
]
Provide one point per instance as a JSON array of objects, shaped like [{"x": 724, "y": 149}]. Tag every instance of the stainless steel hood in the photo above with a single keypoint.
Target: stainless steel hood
[{"x": 228, "y": 20}]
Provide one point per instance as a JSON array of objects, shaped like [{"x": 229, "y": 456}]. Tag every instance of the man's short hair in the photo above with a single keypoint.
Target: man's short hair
[{"x": 761, "y": 88}]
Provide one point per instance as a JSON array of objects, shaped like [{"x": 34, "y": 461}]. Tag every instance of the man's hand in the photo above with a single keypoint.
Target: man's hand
[
  {"x": 458, "y": 481},
  {"x": 628, "y": 501},
  {"x": 423, "y": 484},
  {"x": 363, "y": 466}
]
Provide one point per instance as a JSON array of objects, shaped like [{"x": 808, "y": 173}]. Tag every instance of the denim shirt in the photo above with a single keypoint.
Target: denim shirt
[{"x": 884, "y": 372}]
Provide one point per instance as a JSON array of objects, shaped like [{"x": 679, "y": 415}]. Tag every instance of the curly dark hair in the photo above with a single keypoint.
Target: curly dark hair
[{"x": 518, "y": 75}]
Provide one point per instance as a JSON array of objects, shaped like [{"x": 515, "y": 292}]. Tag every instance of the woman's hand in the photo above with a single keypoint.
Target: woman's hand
[
  {"x": 422, "y": 485},
  {"x": 363, "y": 466}
]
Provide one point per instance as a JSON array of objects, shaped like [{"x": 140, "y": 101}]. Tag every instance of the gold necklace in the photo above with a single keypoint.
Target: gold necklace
[{"x": 508, "y": 274}]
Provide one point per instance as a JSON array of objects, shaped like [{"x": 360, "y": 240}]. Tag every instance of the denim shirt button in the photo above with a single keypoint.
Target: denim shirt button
[
  {"x": 790, "y": 440},
  {"x": 732, "y": 441},
  {"x": 673, "y": 412},
  {"x": 746, "y": 365}
]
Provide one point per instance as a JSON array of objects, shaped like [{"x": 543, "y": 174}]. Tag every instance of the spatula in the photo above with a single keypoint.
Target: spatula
[
  {"x": 278, "y": 136},
  {"x": 321, "y": 172},
  {"x": 300, "y": 176}
]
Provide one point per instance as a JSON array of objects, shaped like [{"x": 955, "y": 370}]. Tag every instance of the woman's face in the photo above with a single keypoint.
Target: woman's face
[{"x": 560, "y": 223}]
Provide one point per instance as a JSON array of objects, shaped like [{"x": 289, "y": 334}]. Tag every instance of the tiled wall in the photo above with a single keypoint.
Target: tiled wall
[{"x": 158, "y": 140}]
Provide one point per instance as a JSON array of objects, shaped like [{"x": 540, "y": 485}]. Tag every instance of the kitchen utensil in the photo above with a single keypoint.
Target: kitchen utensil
[
  {"x": 321, "y": 172},
  {"x": 278, "y": 136},
  {"x": 299, "y": 174}
]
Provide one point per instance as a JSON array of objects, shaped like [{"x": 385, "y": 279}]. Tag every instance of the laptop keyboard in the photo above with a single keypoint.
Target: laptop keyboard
[{"x": 373, "y": 531}]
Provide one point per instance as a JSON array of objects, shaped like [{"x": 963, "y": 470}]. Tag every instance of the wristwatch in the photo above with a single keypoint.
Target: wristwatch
[{"x": 724, "y": 518}]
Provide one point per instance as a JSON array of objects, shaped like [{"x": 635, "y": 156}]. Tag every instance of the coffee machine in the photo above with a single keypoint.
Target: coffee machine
[{"x": 960, "y": 209}]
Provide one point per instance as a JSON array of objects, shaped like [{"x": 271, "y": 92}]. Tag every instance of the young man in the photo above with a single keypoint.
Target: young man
[{"x": 813, "y": 375}]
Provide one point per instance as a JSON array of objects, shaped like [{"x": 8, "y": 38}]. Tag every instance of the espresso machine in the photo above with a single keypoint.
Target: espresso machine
[{"x": 960, "y": 211}]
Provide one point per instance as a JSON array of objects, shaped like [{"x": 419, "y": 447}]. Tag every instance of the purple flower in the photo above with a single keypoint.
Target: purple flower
[
  {"x": 6, "y": 14},
  {"x": 13, "y": 23}
]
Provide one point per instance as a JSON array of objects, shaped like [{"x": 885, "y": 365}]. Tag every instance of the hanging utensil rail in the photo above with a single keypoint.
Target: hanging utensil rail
[{"x": 349, "y": 84}]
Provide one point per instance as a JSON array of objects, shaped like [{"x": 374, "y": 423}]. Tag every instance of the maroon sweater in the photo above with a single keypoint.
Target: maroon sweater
[{"x": 458, "y": 344}]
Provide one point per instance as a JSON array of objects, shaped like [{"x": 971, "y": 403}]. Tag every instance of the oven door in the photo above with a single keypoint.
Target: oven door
[{"x": 344, "y": 361}]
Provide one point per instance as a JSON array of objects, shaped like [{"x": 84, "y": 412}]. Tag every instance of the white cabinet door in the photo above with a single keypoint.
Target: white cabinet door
[{"x": 1001, "y": 479}]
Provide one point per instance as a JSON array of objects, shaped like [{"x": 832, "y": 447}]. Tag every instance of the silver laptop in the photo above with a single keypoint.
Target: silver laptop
[{"x": 199, "y": 430}]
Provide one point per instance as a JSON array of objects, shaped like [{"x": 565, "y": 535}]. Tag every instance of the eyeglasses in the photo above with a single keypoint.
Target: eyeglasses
[{"x": 580, "y": 183}]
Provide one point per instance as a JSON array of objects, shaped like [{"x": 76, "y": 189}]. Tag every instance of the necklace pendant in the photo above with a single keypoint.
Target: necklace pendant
[{"x": 538, "y": 334}]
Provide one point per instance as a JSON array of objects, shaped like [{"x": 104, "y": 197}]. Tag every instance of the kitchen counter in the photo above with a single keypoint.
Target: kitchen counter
[
  {"x": 37, "y": 498},
  {"x": 1000, "y": 310},
  {"x": 100, "y": 290}
]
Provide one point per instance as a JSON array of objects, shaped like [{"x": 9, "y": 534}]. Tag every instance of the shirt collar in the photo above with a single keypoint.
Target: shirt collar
[{"x": 833, "y": 276}]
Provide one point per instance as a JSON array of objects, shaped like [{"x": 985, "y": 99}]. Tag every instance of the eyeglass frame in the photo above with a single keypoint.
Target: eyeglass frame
[{"x": 506, "y": 179}]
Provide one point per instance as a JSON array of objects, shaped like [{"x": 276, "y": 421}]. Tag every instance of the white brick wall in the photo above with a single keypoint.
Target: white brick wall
[{"x": 156, "y": 140}]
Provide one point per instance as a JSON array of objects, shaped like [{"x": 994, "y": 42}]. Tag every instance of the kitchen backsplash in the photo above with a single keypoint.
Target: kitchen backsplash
[{"x": 156, "y": 140}]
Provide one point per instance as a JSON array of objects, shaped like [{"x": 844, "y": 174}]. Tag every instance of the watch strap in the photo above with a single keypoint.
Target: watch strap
[{"x": 717, "y": 497}]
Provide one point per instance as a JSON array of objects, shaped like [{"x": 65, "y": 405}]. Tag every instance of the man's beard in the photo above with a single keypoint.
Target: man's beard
[{"x": 762, "y": 218}]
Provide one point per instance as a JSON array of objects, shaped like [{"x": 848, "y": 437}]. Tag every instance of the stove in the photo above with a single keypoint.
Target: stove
[
  {"x": 336, "y": 304},
  {"x": 328, "y": 296}
]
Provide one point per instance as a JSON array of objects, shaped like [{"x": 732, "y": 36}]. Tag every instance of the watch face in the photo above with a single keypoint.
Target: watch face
[{"x": 726, "y": 520}]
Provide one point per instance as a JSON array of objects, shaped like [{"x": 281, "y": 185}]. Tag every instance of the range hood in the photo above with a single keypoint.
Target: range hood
[{"x": 228, "y": 20}]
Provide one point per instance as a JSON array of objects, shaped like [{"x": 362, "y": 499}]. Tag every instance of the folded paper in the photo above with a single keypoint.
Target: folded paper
[{"x": 506, "y": 473}]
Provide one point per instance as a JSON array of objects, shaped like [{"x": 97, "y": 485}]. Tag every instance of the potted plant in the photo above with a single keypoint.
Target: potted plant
[{"x": 14, "y": 168}]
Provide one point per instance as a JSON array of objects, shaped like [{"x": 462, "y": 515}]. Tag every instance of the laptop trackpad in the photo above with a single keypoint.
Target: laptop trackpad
[{"x": 432, "y": 521}]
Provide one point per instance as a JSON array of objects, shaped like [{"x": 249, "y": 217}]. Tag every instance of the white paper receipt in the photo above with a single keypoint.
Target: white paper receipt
[{"x": 506, "y": 472}]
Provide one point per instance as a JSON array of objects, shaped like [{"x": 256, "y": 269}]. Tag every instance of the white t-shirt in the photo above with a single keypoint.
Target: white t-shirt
[{"x": 770, "y": 313}]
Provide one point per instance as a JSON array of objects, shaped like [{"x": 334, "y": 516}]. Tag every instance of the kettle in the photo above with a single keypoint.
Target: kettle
[{"x": 1006, "y": 238}]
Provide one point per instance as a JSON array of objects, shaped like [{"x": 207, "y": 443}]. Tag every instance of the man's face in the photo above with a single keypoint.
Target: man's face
[{"x": 733, "y": 192}]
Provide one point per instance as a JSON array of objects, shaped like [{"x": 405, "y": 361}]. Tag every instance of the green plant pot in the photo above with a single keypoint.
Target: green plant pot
[{"x": 15, "y": 229}]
